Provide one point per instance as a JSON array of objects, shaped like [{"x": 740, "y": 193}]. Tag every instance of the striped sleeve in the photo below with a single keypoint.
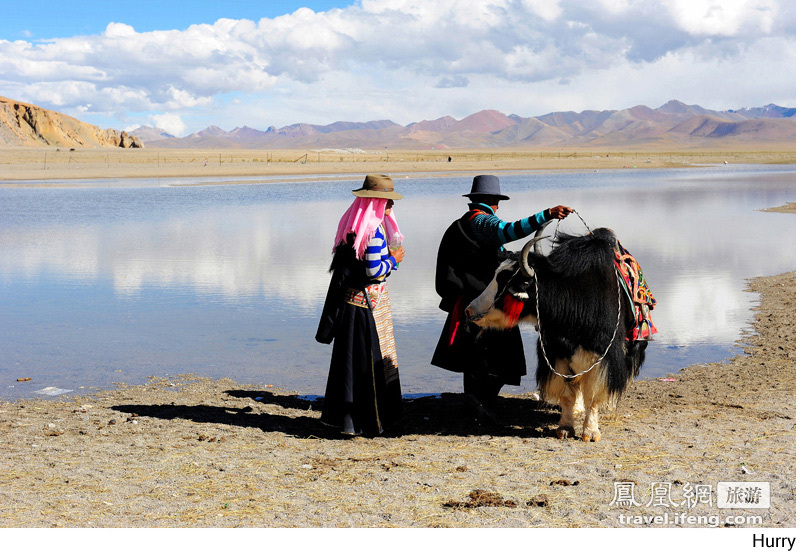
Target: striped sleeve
[
  {"x": 490, "y": 229},
  {"x": 378, "y": 261}
]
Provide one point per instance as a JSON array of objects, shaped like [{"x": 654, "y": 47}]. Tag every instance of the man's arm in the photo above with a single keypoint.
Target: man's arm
[{"x": 489, "y": 228}]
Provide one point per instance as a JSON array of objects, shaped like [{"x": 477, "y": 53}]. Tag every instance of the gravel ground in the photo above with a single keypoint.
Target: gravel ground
[{"x": 194, "y": 452}]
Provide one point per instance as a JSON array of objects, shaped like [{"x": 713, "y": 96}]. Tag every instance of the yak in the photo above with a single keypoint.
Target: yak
[{"x": 575, "y": 300}]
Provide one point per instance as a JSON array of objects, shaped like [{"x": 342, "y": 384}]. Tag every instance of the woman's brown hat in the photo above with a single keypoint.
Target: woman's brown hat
[{"x": 377, "y": 186}]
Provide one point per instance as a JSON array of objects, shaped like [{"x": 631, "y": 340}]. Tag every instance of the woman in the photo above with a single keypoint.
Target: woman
[{"x": 363, "y": 392}]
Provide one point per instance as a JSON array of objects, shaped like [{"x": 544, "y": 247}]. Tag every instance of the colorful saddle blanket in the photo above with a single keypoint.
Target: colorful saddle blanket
[{"x": 641, "y": 299}]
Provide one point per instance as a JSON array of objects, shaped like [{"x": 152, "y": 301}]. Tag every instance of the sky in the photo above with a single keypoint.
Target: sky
[{"x": 184, "y": 66}]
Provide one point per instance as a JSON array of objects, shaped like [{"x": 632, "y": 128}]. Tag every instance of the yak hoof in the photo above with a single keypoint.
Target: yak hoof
[
  {"x": 593, "y": 436},
  {"x": 565, "y": 432}
]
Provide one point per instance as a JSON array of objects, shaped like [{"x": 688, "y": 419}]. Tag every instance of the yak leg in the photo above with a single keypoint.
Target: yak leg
[
  {"x": 591, "y": 429},
  {"x": 566, "y": 430},
  {"x": 570, "y": 398},
  {"x": 594, "y": 393}
]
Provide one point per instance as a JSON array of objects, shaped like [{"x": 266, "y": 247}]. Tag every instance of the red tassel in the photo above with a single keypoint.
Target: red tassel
[
  {"x": 454, "y": 323},
  {"x": 512, "y": 309}
]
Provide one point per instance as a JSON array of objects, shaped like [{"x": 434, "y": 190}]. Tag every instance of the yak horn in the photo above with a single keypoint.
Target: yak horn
[{"x": 523, "y": 258}]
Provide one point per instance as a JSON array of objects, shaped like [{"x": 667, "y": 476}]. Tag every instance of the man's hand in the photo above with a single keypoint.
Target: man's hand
[{"x": 560, "y": 212}]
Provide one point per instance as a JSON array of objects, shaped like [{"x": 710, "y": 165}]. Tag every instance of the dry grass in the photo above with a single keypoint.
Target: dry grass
[{"x": 51, "y": 163}]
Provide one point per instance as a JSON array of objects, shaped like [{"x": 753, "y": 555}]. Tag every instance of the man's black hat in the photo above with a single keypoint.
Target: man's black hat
[{"x": 486, "y": 185}]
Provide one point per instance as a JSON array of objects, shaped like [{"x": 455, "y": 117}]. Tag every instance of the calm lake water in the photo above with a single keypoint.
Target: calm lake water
[{"x": 104, "y": 282}]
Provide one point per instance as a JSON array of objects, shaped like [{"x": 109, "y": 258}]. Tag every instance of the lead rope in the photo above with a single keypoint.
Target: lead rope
[
  {"x": 557, "y": 228},
  {"x": 540, "y": 324}
]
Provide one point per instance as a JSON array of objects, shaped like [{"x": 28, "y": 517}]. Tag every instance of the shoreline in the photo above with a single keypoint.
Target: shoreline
[
  {"x": 23, "y": 166},
  {"x": 213, "y": 453}
]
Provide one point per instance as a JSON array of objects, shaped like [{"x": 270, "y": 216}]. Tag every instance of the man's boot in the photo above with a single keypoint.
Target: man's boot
[{"x": 479, "y": 397}]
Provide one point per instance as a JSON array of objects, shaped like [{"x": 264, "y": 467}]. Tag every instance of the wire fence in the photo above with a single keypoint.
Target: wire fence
[{"x": 171, "y": 158}]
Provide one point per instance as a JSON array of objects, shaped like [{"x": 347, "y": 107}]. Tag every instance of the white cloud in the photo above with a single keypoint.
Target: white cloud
[
  {"x": 452, "y": 81},
  {"x": 119, "y": 31},
  {"x": 400, "y": 58},
  {"x": 549, "y": 10},
  {"x": 726, "y": 18},
  {"x": 171, "y": 123}
]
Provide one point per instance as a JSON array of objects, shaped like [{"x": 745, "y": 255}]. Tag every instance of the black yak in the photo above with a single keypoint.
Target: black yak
[{"x": 583, "y": 316}]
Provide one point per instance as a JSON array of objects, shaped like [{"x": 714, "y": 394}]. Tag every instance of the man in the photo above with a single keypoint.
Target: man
[{"x": 466, "y": 262}]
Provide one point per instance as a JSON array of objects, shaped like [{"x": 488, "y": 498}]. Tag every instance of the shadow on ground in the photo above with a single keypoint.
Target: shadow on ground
[{"x": 442, "y": 414}]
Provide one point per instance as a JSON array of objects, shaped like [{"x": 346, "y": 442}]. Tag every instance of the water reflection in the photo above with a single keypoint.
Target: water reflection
[{"x": 229, "y": 280}]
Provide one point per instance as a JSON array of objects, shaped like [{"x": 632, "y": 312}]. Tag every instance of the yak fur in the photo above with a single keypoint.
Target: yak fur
[{"x": 575, "y": 307}]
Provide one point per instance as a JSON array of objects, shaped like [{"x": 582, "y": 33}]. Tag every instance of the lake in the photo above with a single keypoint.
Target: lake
[{"x": 113, "y": 281}]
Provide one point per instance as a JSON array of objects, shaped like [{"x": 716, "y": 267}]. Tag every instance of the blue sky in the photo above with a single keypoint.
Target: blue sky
[
  {"x": 85, "y": 17},
  {"x": 183, "y": 66}
]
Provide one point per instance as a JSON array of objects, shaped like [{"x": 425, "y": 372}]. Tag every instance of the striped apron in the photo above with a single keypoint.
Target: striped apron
[{"x": 379, "y": 303}]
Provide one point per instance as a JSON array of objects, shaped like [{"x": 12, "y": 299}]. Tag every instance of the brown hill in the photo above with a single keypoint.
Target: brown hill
[
  {"x": 151, "y": 134},
  {"x": 706, "y": 126},
  {"x": 483, "y": 122},
  {"x": 475, "y": 130},
  {"x": 533, "y": 131},
  {"x": 674, "y": 123},
  {"x": 576, "y": 123},
  {"x": 679, "y": 108},
  {"x": 440, "y": 125},
  {"x": 23, "y": 124}
]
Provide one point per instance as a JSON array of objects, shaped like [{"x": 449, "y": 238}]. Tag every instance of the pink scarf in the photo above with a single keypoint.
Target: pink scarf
[{"x": 363, "y": 218}]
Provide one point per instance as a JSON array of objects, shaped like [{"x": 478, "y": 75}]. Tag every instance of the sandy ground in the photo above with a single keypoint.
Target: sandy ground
[
  {"x": 193, "y": 452},
  {"x": 52, "y": 164},
  {"x": 789, "y": 208}
]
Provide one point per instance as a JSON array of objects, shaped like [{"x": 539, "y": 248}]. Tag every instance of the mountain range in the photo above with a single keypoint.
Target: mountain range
[{"x": 672, "y": 124}]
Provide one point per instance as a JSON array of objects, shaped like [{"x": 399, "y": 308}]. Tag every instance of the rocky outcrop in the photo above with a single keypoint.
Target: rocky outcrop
[{"x": 26, "y": 125}]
